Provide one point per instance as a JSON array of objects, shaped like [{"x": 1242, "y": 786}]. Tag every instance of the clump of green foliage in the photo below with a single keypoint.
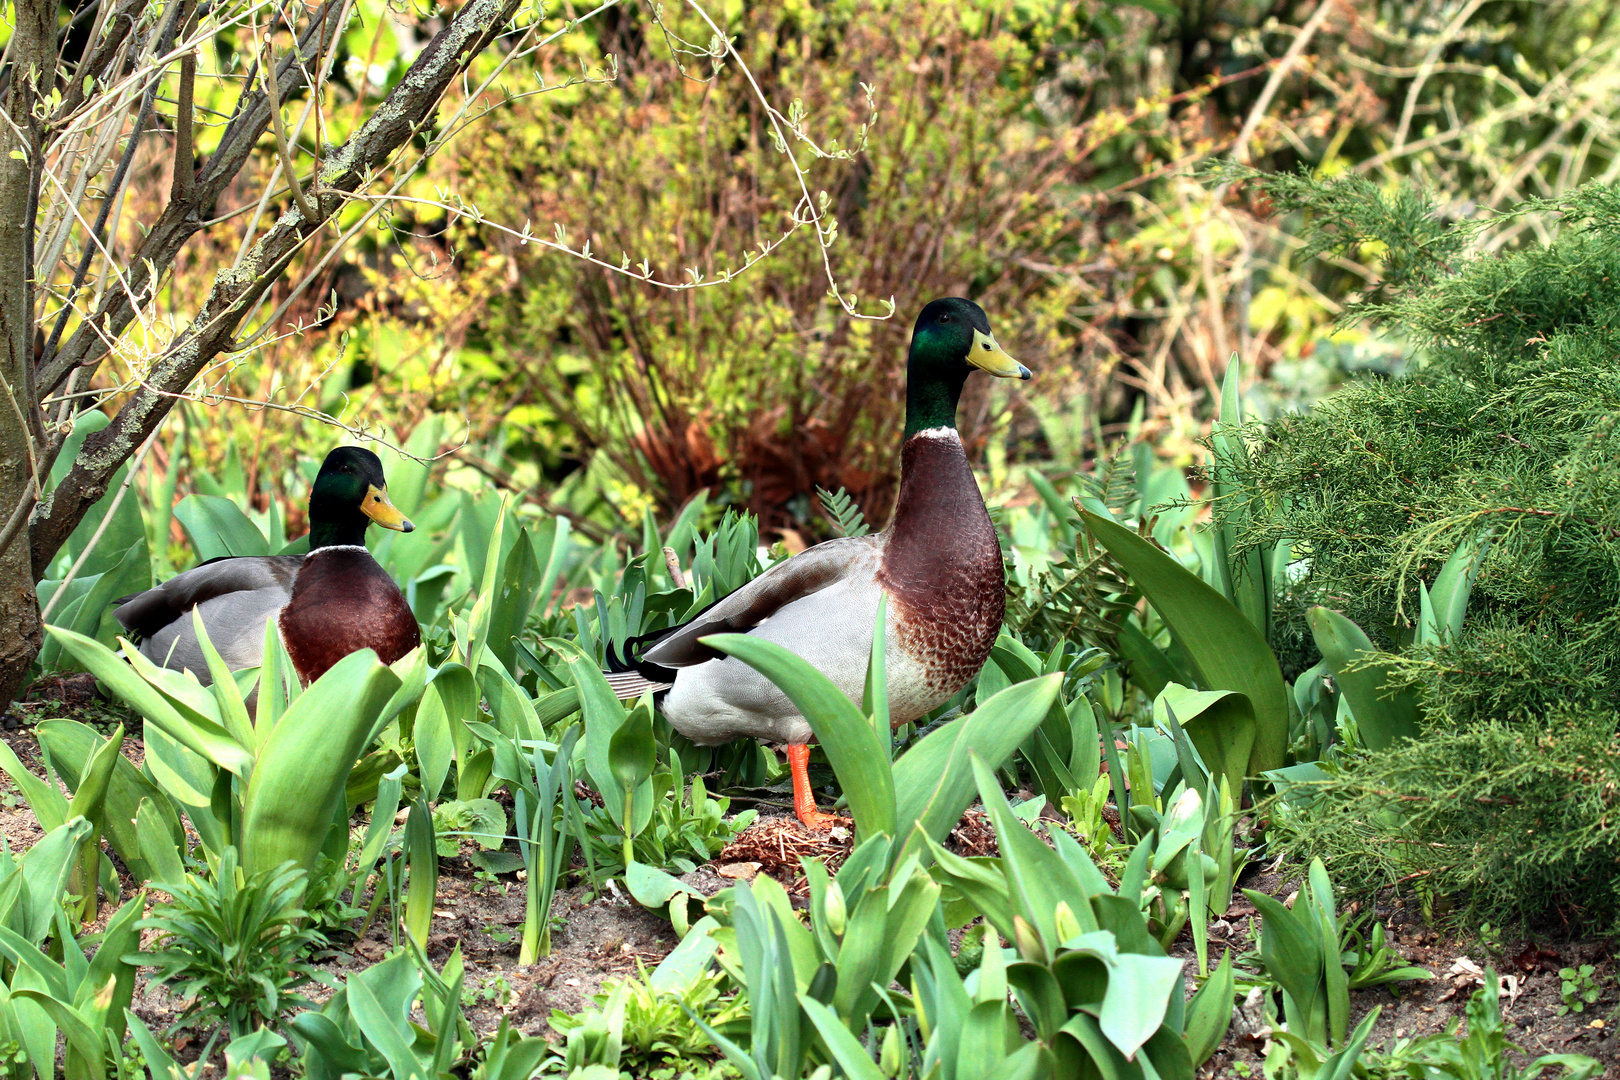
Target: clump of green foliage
[
  {"x": 1503, "y": 423},
  {"x": 234, "y": 946}
]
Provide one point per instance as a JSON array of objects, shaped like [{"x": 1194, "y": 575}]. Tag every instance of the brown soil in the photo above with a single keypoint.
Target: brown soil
[{"x": 609, "y": 936}]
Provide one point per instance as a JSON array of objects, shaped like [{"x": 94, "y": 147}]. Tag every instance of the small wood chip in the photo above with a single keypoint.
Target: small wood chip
[{"x": 739, "y": 871}]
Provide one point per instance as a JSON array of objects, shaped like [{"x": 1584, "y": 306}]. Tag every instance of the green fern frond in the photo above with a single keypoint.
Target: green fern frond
[{"x": 846, "y": 516}]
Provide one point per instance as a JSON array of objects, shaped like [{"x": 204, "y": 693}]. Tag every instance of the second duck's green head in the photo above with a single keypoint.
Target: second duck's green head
[
  {"x": 951, "y": 338},
  {"x": 349, "y": 494}
]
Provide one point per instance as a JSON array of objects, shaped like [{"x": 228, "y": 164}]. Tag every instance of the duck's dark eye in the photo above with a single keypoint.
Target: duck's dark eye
[{"x": 944, "y": 318}]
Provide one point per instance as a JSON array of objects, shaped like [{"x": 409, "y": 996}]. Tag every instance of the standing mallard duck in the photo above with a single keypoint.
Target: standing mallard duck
[
  {"x": 329, "y": 603},
  {"x": 938, "y": 563}
]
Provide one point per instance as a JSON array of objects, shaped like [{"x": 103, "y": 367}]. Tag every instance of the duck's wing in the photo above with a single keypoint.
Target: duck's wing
[
  {"x": 808, "y": 572},
  {"x": 145, "y": 614}
]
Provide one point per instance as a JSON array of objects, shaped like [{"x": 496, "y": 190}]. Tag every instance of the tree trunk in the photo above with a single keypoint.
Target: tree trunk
[{"x": 33, "y": 65}]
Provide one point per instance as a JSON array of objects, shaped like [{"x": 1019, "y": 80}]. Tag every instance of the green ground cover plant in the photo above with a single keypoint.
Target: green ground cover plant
[{"x": 503, "y": 706}]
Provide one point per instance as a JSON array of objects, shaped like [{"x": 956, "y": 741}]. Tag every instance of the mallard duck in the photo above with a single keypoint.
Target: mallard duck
[
  {"x": 938, "y": 563},
  {"x": 327, "y": 604}
]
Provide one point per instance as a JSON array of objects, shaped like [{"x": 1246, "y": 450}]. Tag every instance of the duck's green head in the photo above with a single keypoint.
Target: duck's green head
[
  {"x": 349, "y": 494},
  {"x": 951, "y": 338}
]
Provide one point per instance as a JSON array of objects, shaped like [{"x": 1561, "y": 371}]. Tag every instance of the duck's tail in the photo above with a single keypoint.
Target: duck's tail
[
  {"x": 627, "y": 685},
  {"x": 629, "y": 676}
]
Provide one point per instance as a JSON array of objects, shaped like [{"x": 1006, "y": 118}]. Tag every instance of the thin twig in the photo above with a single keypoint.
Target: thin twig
[
  {"x": 279, "y": 126},
  {"x": 1240, "y": 150},
  {"x": 185, "y": 168}
]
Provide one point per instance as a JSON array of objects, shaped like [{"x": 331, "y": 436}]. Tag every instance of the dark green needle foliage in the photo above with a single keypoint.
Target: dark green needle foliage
[
  {"x": 235, "y": 947},
  {"x": 1504, "y": 420}
]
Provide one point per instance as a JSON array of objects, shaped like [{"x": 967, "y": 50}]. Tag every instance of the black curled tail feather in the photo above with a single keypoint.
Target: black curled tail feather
[{"x": 626, "y": 657}]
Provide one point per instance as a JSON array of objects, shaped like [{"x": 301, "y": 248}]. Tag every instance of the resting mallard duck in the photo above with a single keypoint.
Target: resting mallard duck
[
  {"x": 938, "y": 563},
  {"x": 329, "y": 603}
]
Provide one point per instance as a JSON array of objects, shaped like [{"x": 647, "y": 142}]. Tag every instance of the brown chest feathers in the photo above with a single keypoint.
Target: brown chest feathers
[
  {"x": 942, "y": 565},
  {"x": 342, "y": 602}
]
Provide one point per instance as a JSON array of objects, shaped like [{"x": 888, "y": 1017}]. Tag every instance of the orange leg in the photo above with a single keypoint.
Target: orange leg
[{"x": 804, "y": 800}]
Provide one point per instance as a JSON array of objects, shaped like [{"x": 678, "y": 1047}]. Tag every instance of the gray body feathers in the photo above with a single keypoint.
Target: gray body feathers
[{"x": 235, "y": 598}]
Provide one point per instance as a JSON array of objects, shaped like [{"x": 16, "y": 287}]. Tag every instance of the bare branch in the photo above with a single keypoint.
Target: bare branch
[
  {"x": 407, "y": 109},
  {"x": 89, "y": 342}
]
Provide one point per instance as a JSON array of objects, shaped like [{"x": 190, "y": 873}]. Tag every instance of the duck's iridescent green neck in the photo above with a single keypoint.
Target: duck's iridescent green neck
[
  {"x": 333, "y": 533},
  {"x": 932, "y": 390},
  {"x": 334, "y": 511}
]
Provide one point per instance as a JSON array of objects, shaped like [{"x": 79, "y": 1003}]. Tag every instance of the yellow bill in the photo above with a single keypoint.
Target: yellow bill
[
  {"x": 988, "y": 356},
  {"x": 377, "y": 507}
]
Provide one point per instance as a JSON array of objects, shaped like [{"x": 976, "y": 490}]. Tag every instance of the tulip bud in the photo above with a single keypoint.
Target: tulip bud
[
  {"x": 1028, "y": 941},
  {"x": 833, "y": 907},
  {"x": 1067, "y": 925},
  {"x": 889, "y": 1057}
]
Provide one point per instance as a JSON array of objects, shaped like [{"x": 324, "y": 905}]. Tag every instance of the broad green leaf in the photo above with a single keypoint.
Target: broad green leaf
[
  {"x": 603, "y": 717},
  {"x": 1244, "y": 580},
  {"x": 1150, "y": 667},
  {"x": 45, "y": 870},
  {"x": 875, "y": 697},
  {"x": 1037, "y": 879},
  {"x": 1209, "y": 1013},
  {"x": 70, "y": 745},
  {"x": 434, "y": 746},
  {"x": 633, "y": 750},
  {"x": 1220, "y": 723},
  {"x": 514, "y": 597},
  {"x": 87, "y": 607},
  {"x": 859, "y": 756},
  {"x": 217, "y": 528},
  {"x": 851, "y": 1056},
  {"x": 390, "y": 1034},
  {"x": 227, "y": 695},
  {"x": 298, "y": 785},
  {"x": 933, "y": 781},
  {"x": 1139, "y": 989},
  {"x": 1452, "y": 586},
  {"x": 422, "y": 856},
  {"x": 1383, "y": 716},
  {"x": 1227, "y": 650},
  {"x": 512, "y": 708},
  {"x": 160, "y": 853},
  {"x": 1295, "y": 955},
  {"x": 676, "y": 972},
  {"x": 47, "y": 803},
  {"x": 651, "y": 887}
]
